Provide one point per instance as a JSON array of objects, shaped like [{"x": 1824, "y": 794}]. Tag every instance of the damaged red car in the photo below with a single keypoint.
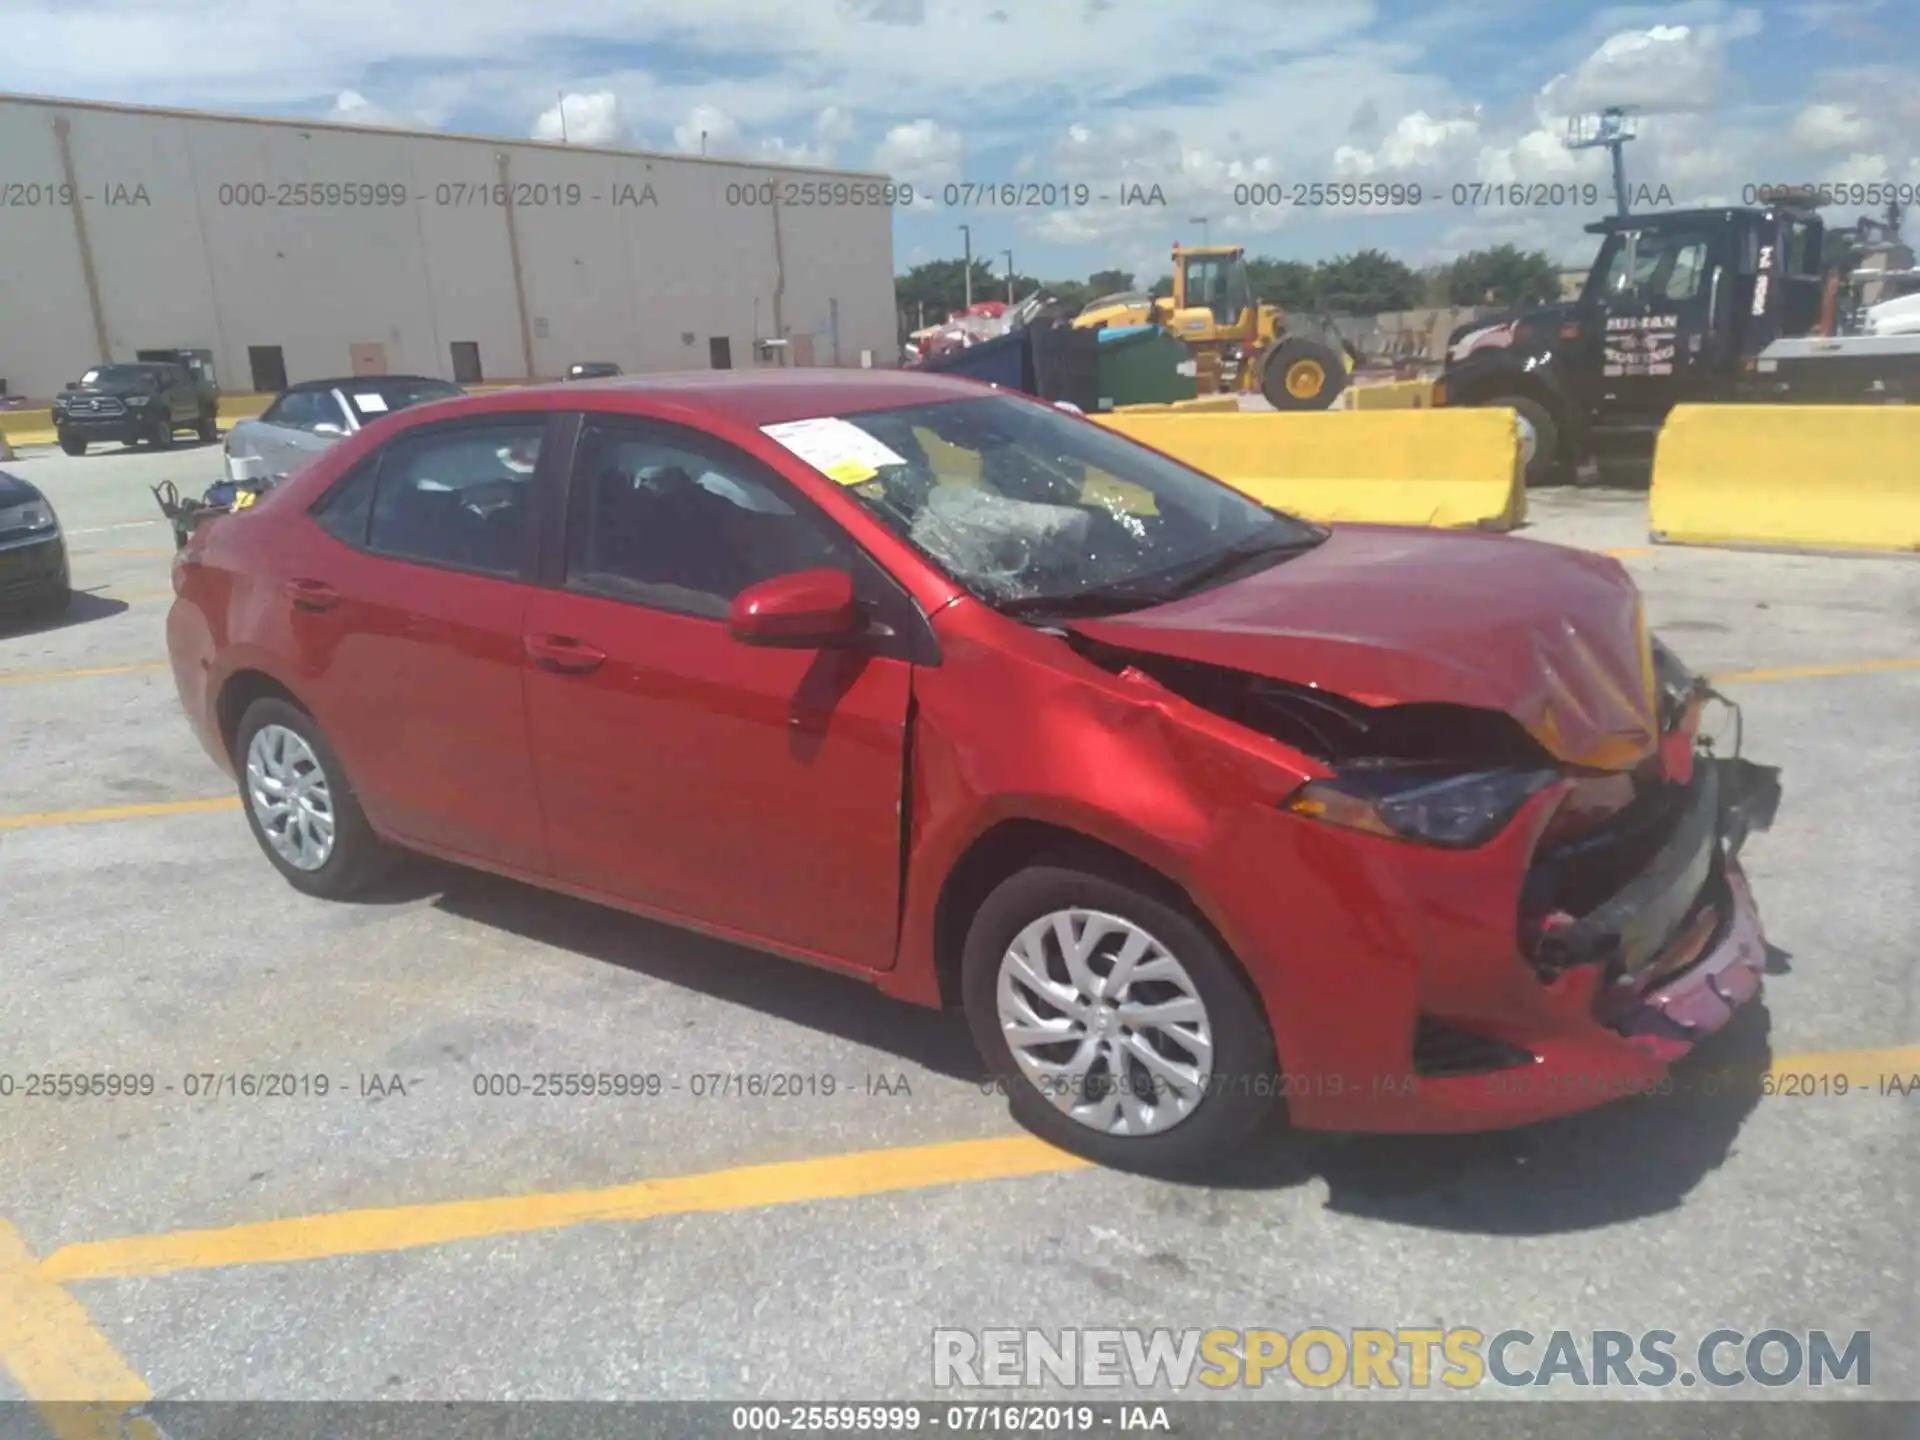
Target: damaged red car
[{"x": 1196, "y": 809}]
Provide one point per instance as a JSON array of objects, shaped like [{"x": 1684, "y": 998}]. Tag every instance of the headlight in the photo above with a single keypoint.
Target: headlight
[
  {"x": 34, "y": 515},
  {"x": 139, "y": 399},
  {"x": 1452, "y": 810}
]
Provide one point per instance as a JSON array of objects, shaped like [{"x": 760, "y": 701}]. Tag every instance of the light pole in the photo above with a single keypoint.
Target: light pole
[
  {"x": 966, "y": 232},
  {"x": 1201, "y": 221},
  {"x": 1009, "y": 255}
]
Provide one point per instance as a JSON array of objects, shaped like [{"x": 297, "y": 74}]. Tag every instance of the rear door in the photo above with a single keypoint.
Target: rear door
[
  {"x": 410, "y": 630},
  {"x": 756, "y": 790}
]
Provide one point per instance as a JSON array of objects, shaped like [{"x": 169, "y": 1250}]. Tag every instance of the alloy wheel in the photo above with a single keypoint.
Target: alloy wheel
[
  {"x": 1105, "y": 1022},
  {"x": 290, "y": 797}
]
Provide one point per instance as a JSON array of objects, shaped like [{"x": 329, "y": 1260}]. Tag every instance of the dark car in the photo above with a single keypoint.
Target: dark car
[
  {"x": 1193, "y": 807},
  {"x": 143, "y": 401},
  {"x": 593, "y": 370},
  {"x": 34, "y": 579}
]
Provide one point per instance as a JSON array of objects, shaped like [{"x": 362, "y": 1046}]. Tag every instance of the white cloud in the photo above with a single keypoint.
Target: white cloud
[
  {"x": 1417, "y": 142},
  {"x": 924, "y": 154},
  {"x": 707, "y": 130},
  {"x": 583, "y": 120},
  {"x": 1830, "y": 127},
  {"x": 353, "y": 108},
  {"x": 1662, "y": 70}
]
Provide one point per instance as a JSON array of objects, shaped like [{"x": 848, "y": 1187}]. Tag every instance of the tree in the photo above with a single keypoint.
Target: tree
[
  {"x": 1162, "y": 288},
  {"x": 1370, "y": 282},
  {"x": 1290, "y": 284},
  {"x": 1109, "y": 282},
  {"x": 1073, "y": 295},
  {"x": 940, "y": 285},
  {"x": 1504, "y": 276}
]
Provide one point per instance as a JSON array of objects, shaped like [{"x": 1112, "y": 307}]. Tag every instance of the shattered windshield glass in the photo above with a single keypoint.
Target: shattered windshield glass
[{"x": 1023, "y": 504}]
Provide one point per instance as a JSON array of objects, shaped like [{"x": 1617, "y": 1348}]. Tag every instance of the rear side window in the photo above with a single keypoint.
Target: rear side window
[
  {"x": 460, "y": 496},
  {"x": 344, "y": 510}
]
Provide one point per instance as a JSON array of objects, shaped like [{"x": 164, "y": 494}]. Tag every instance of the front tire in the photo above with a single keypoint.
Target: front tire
[
  {"x": 1302, "y": 374},
  {"x": 72, "y": 444},
  {"x": 1539, "y": 437},
  {"x": 1163, "y": 1062},
  {"x": 162, "y": 433},
  {"x": 208, "y": 430},
  {"x": 301, "y": 806}
]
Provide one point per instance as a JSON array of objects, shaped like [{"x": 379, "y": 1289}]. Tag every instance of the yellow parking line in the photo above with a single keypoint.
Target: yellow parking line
[
  {"x": 168, "y": 551},
  {"x": 408, "y": 1227},
  {"x": 1812, "y": 672},
  {"x": 40, "y": 677},
  {"x": 872, "y": 1172},
  {"x": 1627, "y": 552},
  {"x": 70, "y": 1371},
  {"x": 45, "y": 819}
]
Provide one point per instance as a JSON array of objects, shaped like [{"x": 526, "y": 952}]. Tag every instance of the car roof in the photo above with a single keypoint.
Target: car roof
[
  {"x": 744, "y": 397},
  {"x": 345, "y": 382}
]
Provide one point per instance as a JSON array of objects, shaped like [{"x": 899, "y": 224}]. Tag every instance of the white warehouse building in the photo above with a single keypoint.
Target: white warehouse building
[{"x": 294, "y": 250}]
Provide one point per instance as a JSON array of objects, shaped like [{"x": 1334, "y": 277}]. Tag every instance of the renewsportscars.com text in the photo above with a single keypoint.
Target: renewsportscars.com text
[{"x": 1418, "y": 1358}]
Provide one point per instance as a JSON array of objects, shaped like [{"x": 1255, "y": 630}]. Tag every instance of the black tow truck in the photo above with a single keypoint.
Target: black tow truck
[{"x": 1680, "y": 307}]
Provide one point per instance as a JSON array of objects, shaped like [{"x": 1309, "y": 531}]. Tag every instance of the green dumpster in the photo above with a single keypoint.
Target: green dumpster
[{"x": 1141, "y": 365}]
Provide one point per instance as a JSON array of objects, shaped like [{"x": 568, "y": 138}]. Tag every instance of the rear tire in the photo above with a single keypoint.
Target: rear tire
[
  {"x": 311, "y": 829},
  {"x": 1302, "y": 374},
  {"x": 1219, "y": 1036},
  {"x": 72, "y": 444}
]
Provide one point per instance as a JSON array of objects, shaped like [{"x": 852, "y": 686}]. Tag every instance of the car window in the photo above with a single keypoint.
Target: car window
[
  {"x": 1019, "y": 502},
  {"x": 344, "y": 510},
  {"x": 683, "y": 525},
  {"x": 296, "y": 410},
  {"x": 459, "y": 496},
  {"x": 373, "y": 398},
  {"x": 327, "y": 410}
]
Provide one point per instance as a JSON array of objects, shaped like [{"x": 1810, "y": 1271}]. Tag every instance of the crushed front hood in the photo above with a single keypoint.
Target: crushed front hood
[{"x": 1384, "y": 615}]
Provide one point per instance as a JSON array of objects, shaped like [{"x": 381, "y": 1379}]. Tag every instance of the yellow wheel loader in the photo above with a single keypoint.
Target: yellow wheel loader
[{"x": 1239, "y": 344}]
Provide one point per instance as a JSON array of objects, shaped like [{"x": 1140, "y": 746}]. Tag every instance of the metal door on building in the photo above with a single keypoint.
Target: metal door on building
[{"x": 369, "y": 359}]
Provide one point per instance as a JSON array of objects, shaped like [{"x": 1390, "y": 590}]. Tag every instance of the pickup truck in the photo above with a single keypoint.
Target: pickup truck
[{"x": 146, "y": 400}]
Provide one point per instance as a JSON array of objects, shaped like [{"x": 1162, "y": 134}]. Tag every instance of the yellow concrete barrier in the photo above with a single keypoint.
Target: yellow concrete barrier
[
  {"x": 1453, "y": 469},
  {"x": 1394, "y": 395},
  {"x": 1812, "y": 477},
  {"x": 27, "y": 427}
]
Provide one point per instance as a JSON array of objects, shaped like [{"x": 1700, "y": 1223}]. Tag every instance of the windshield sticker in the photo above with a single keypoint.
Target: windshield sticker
[
  {"x": 837, "y": 449},
  {"x": 372, "y": 403}
]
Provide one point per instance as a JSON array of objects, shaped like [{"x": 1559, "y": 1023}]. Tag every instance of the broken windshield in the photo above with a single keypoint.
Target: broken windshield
[{"x": 1024, "y": 505}]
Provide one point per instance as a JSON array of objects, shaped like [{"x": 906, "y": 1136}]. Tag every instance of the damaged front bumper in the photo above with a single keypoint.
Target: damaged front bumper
[{"x": 1636, "y": 981}]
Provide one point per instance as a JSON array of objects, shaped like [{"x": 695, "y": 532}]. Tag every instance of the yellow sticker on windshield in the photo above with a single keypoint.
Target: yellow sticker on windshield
[
  {"x": 1100, "y": 488},
  {"x": 852, "y": 472}
]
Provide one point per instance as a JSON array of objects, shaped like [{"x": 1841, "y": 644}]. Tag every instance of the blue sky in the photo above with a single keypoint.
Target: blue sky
[{"x": 1194, "y": 99}]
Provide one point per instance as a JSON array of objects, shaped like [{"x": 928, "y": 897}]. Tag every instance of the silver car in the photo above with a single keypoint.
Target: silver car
[{"x": 310, "y": 416}]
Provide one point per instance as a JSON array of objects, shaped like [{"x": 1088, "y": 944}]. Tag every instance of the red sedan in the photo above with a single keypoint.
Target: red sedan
[{"x": 1193, "y": 807}]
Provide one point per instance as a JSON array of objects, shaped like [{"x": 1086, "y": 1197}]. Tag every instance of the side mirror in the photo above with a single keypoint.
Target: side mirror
[
  {"x": 327, "y": 427},
  {"x": 807, "y": 608},
  {"x": 71, "y": 385}
]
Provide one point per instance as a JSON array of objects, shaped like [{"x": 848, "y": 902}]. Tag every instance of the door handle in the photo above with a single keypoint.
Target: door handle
[
  {"x": 564, "y": 655},
  {"x": 314, "y": 596}
]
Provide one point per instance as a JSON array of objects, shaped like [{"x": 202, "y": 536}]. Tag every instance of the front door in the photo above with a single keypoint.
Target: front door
[
  {"x": 751, "y": 789},
  {"x": 410, "y": 630},
  {"x": 1651, "y": 295}
]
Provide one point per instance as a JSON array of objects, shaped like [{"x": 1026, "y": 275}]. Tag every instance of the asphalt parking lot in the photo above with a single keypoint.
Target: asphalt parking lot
[{"x": 404, "y": 1236}]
